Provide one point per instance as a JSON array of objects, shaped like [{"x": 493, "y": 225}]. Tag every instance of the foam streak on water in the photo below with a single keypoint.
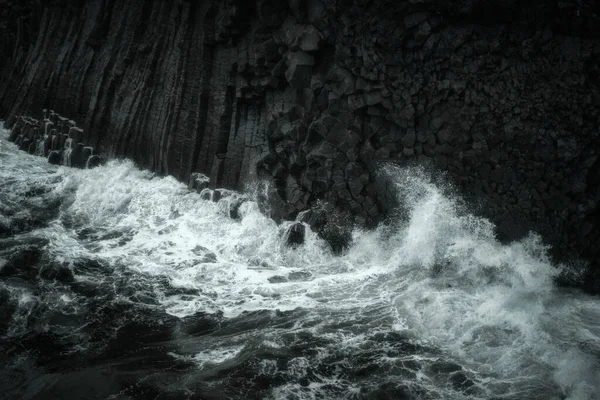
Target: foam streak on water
[{"x": 430, "y": 305}]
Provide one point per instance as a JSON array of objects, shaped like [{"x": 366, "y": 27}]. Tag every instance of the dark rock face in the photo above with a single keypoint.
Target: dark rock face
[
  {"x": 504, "y": 95},
  {"x": 295, "y": 234}
]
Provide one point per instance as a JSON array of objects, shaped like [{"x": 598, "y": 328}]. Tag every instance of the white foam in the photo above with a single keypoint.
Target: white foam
[{"x": 438, "y": 275}]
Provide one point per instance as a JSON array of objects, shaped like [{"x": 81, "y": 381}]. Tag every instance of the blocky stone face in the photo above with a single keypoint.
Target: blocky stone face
[{"x": 314, "y": 94}]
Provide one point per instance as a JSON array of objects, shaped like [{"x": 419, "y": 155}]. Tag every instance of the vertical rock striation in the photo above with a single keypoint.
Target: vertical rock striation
[{"x": 503, "y": 95}]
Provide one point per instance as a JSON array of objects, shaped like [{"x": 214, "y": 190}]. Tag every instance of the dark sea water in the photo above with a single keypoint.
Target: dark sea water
[{"x": 118, "y": 284}]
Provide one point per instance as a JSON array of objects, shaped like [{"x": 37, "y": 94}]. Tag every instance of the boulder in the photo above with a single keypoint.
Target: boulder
[
  {"x": 295, "y": 234},
  {"x": 77, "y": 156},
  {"x": 92, "y": 162},
  {"x": 54, "y": 157}
]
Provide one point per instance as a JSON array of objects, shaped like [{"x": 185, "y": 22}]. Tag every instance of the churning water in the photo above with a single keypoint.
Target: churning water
[{"x": 116, "y": 283}]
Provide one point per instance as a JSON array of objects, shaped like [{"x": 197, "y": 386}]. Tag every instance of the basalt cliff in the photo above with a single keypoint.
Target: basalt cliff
[{"x": 315, "y": 95}]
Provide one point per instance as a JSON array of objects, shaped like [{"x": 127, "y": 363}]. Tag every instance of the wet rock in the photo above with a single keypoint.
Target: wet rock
[
  {"x": 295, "y": 234},
  {"x": 88, "y": 151},
  {"x": 234, "y": 207},
  {"x": 218, "y": 194},
  {"x": 47, "y": 146},
  {"x": 198, "y": 182},
  {"x": 25, "y": 144},
  {"x": 92, "y": 162},
  {"x": 334, "y": 226},
  {"x": 77, "y": 156},
  {"x": 206, "y": 194},
  {"x": 54, "y": 157},
  {"x": 32, "y": 147}
]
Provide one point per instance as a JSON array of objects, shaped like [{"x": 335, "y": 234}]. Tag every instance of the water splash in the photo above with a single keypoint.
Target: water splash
[
  {"x": 66, "y": 153},
  {"x": 431, "y": 303}
]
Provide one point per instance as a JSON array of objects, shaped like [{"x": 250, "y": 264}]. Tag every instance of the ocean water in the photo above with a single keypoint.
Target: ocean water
[{"x": 119, "y": 284}]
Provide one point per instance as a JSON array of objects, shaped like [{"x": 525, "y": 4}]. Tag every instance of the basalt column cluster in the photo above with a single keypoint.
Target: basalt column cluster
[{"x": 56, "y": 138}]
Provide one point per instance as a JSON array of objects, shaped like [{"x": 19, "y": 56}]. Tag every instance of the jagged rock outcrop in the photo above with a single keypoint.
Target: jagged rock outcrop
[
  {"x": 55, "y": 138},
  {"x": 503, "y": 95}
]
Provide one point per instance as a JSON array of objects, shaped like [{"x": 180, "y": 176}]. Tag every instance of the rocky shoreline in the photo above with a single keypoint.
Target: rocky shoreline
[{"x": 313, "y": 95}]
